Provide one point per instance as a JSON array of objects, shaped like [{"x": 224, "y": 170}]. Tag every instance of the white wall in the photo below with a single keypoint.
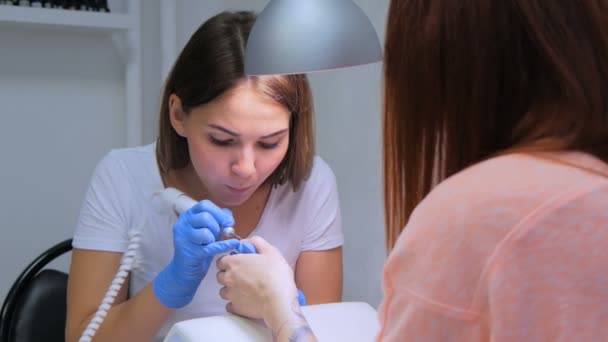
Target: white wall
[
  {"x": 60, "y": 112},
  {"x": 62, "y": 106},
  {"x": 152, "y": 80},
  {"x": 348, "y": 107}
]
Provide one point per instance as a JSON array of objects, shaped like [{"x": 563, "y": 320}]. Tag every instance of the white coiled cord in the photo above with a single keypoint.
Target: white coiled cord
[
  {"x": 180, "y": 202},
  {"x": 126, "y": 265}
]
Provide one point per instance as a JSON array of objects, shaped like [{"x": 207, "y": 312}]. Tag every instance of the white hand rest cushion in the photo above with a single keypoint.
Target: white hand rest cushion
[{"x": 349, "y": 321}]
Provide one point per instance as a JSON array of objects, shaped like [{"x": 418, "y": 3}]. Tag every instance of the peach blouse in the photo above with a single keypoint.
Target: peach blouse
[{"x": 514, "y": 248}]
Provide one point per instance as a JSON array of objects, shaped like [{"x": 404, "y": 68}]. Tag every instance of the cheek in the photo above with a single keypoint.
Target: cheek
[
  {"x": 198, "y": 150},
  {"x": 272, "y": 159},
  {"x": 205, "y": 158}
]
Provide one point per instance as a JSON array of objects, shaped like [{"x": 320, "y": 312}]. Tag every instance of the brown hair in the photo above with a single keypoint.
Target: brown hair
[
  {"x": 466, "y": 80},
  {"x": 212, "y": 63}
]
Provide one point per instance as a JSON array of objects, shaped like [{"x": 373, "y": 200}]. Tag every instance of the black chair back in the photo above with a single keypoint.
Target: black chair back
[{"x": 35, "y": 307}]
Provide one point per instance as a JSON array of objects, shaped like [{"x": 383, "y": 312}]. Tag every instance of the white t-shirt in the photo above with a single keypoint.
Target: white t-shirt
[{"x": 122, "y": 196}]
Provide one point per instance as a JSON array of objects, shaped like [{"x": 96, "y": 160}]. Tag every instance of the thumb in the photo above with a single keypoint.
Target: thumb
[
  {"x": 220, "y": 247},
  {"x": 246, "y": 248}
]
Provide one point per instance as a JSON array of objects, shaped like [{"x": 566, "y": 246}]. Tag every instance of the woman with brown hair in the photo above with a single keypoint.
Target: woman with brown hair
[
  {"x": 244, "y": 147},
  {"x": 495, "y": 178}
]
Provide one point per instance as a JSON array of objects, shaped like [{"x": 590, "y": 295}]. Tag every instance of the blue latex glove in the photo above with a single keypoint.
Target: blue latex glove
[
  {"x": 196, "y": 238},
  {"x": 247, "y": 248}
]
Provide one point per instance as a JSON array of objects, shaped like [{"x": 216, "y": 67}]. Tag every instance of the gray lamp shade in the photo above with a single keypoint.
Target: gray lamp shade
[{"x": 300, "y": 36}]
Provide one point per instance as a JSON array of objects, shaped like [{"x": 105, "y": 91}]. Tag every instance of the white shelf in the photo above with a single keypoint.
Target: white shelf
[
  {"x": 126, "y": 34},
  {"x": 22, "y": 17}
]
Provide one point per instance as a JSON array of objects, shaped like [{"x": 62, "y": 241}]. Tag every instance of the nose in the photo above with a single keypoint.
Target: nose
[{"x": 244, "y": 164}]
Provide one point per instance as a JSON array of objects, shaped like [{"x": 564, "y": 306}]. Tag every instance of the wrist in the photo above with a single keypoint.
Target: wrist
[
  {"x": 171, "y": 291},
  {"x": 288, "y": 323},
  {"x": 279, "y": 311}
]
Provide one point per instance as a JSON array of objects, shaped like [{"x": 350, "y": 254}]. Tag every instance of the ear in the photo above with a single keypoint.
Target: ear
[{"x": 177, "y": 115}]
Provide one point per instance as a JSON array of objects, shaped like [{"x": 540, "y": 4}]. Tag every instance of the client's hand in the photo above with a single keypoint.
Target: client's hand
[{"x": 259, "y": 286}]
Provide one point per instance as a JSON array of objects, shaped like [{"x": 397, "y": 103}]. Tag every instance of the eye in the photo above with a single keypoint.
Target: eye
[
  {"x": 220, "y": 142},
  {"x": 268, "y": 146}
]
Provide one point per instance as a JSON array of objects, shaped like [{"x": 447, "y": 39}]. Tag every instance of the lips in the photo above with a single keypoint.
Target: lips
[{"x": 238, "y": 190}]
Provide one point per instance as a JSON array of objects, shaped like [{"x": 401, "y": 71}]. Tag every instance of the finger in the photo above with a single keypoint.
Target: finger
[
  {"x": 222, "y": 263},
  {"x": 199, "y": 236},
  {"x": 222, "y": 266},
  {"x": 237, "y": 309},
  {"x": 228, "y": 212},
  {"x": 204, "y": 220},
  {"x": 246, "y": 248},
  {"x": 225, "y": 219},
  {"x": 224, "y": 293},
  {"x": 221, "y": 278},
  {"x": 220, "y": 247},
  {"x": 301, "y": 298}
]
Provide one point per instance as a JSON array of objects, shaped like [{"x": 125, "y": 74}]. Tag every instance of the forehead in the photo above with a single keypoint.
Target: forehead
[{"x": 244, "y": 102}]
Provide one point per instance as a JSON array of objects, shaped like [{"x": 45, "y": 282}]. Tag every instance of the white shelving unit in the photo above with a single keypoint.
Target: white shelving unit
[
  {"x": 124, "y": 28},
  {"x": 168, "y": 32},
  {"x": 21, "y": 16}
]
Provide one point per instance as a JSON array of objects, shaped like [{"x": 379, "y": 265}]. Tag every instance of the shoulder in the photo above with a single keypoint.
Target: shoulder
[
  {"x": 577, "y": 217},
  {"x": 127, "y": 171},
  {"x": 470, "y": 217},
  {"x": 120, "y": 162},
  {"x": 311, "y": 215},
  {"x": 485, "y": 202},
  {"x": 514, "y": 181},
  {"x": 130, "y": 155},
  {"x": 321, "y": 173},
  {"x": 557, "y": 252},
  {"x": 317, "y": 188},
  {"x": 321, "y": 182}
]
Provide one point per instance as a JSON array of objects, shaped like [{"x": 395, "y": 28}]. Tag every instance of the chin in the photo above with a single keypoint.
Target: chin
[{"x": 232, "y": 201}]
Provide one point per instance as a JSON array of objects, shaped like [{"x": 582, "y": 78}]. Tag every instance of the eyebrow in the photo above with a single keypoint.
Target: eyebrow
[{"x": 234, "y": 134}]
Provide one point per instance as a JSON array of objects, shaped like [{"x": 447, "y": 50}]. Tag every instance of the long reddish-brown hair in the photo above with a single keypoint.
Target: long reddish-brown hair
[{"x": 468, "y": 79}]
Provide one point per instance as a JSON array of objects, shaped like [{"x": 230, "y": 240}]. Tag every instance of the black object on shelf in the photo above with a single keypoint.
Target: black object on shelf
[
  {"x": 102, "y": 5},
  {"x": 87, "y": 5},
  {"x": 91, "y": 5},
  {"x": 67, "y": 4}
]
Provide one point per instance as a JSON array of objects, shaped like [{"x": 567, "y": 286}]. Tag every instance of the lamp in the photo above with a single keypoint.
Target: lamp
[{"x": 300, "y": 36}]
